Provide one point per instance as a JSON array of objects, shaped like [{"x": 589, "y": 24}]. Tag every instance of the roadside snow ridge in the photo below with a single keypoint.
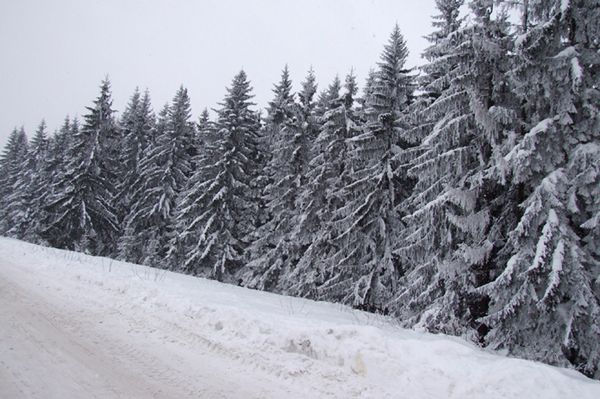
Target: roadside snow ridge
[{"x": 81, "y": 326}]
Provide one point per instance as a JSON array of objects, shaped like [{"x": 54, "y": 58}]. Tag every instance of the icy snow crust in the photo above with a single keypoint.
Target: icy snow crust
[{"x": 80, "y": 326}]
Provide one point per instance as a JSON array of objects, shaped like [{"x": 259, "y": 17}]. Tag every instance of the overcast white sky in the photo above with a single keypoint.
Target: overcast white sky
[{"x": 53, "y": 54}]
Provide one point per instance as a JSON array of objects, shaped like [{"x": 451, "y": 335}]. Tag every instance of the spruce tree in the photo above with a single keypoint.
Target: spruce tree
[
  {"x": 456, "y": 220},
  {"x": 329, "y": 171},
  {"x": 439, "y": 164},
  {"x": 217, "y": 211},
  {"x": 287, "y": 149},
  {"x": 544, "y": 295},
  {"x": 307, "y": 101},
  {"x": 55, "y": 166},
  {"x": 205, "y": 129},
  {"x": 137, "y": 133},
  {"x": 82, "y": 205},
  {"x": 163, "y": 173},
  {"x": 11, "y": 164},
  {"x": 307, "y": 105},
  {"x": 362, "y": 270},
  {"x": 54, "y": 169},
  {"x": 33, "y": 189}
]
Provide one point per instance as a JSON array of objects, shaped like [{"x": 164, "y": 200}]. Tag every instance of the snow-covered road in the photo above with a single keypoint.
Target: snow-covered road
[
  {"x": 73, "y": 326},
  {"x": 57, "y": 344}
]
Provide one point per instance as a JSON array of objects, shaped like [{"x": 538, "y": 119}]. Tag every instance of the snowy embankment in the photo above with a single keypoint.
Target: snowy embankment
[{"x": 78, "y": 326}]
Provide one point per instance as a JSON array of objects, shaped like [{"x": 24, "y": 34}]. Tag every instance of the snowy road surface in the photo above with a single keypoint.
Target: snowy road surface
[{"x": 74, "y": 326}]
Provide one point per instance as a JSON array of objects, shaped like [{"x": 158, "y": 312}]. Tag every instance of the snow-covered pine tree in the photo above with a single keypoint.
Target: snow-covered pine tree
[
  {"x": 82, "y": 204},
  {"x": 307, "y": 105},
  {"x": 137, "y": 133},
  {"x": 203, "y": 120},
  {"x": 56, "y": 168},
  {"x": 450, "y": 233},
  {"x": 55, "y": 165},
  {"x": 30, "y": 197},
  {"x": 11, "y": 163},
  {"x": 313, "y": 212},
  {"x": 544, "y": 297},
  {"x": 435, "y": 73},
  {"x": 329, "y": 171},
  {"x": 180, "y": 125},
  {"x": 217, "y": 210},
  {"x": 363, "y": 270},
  {"x": 207, "y": 155},
  {"x": 144, "y": 226},
  {"x": 281, "y": 108},
  {"x": 39, "y": 142},
  {"x": 163, "y": 173},
  {"x": 443, "y": 114},
  {"x": 307, "y": 119},
  {"x": 207, "y": 136},
  {"x": 205, "y": 129},
  {"x": 271, "y": 250}
]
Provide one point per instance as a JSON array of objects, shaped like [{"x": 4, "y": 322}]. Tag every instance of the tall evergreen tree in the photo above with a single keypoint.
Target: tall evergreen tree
[
  {"x": 329, "y": 172},
  {"x": 287, "y": 147},
  {"x": 30, "y": 198},
  {"x": 445, "y": 129},
  {"x": 164, "y": 170},
  {"x": 55, "y": 166},
  {"x": 544, "y": 297},
  {"x": 205, "y": 129},
  {"x": 362, "y": 269},
  {"x": 137, "y": 133},
  {"x": 84, "y": 216},
  {"x": 217, "y": 210},
  {"x": 307, "y": 107},
  {"x": 307, "y": 94},
  {"x": 455, "y": 223},
  {"x": 13, "y": 155}
]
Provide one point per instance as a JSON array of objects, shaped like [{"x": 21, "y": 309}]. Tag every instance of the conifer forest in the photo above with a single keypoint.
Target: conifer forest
[{"x": 461, "y": 197}]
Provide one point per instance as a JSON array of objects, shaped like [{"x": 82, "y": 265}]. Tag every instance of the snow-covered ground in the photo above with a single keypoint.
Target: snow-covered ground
[{"x": 75, "y": 326}]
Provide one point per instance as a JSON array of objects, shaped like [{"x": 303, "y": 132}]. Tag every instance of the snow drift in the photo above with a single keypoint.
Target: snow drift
[{"x": 81, "y": 326}]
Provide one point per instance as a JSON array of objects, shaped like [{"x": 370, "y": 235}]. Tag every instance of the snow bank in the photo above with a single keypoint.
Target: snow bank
[{"x": 314, "y": 349}]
